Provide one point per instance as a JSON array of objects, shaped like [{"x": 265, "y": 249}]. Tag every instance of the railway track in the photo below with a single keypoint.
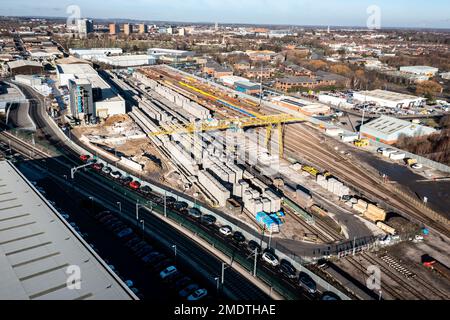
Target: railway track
[
  {"x": 311, "y": 149},
  {"x": 403, "y": 282},
  {"x": 386, "y": 288}
]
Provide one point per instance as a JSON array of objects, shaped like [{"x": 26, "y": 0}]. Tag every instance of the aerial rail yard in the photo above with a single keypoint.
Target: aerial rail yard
[{"x": 321, "y": 170}]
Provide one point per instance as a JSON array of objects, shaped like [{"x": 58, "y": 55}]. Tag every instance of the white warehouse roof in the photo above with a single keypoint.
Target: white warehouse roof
[
  {"x": 388, "y": 129},
  {"x": 37, "y": 246},
  {"x": 388, "y": 98}
]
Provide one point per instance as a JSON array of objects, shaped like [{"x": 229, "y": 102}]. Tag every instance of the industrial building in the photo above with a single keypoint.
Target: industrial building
[
  {"x": 170, "y": 55},
  {"x": 39, "y": 250},
  {"x": 106, "y": 101},
  {"x": 89, "y": 54},
  {"x": 25, "y": 67},
  {"x": 388, "y": 129},
  {"x": 300, "y": 105},
  {"x": 128, "y": 60},
  {"x": 81, "y": 98},
  {"x": 389, "y": 99},
  {"x": 420, "y": 70}
]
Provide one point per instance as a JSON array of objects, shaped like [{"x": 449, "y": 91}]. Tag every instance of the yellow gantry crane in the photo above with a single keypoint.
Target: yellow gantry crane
[{"x": 236, "y": 123}]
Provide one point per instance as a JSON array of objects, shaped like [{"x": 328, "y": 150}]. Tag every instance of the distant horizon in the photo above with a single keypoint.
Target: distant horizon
[
  {"x": 137, "y": 21},
  {"x": 412, "y": 14}
]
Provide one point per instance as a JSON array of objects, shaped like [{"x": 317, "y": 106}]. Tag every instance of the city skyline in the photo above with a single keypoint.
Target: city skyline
[{"x": 284, "y": 12}]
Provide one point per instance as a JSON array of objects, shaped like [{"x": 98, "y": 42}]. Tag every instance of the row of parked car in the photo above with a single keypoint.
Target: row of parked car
[
  {"x": 283, "y": 267},
  {"x": 153, "y": 259}
]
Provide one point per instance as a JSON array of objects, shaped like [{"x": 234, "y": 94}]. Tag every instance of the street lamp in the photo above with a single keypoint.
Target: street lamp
[
  {"x": 92, "y": 203},
  {"x": 120, "y": 206},
  {"x": 175, "y": 250},
  {"x": 143, "y": 228},
  {"x": 217, "y": 283}
]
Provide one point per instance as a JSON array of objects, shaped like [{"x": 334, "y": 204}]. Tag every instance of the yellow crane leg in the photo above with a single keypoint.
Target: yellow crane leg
[
  {"x": 268, "y": 134},
  {"x": 280, "y": 140}
]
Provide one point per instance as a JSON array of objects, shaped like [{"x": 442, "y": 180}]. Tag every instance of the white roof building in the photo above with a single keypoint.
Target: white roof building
[
  {"x": 109, "y": 103},
  {"x": 420, "y": 70},
  {"x": 38, "y": 248},
  {"x": 389, "y": 99},
  {"x": 128, "y": 60},
  {"x": 388, "y": 129}
]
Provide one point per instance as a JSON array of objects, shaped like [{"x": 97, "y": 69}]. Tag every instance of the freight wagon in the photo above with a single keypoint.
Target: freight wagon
[
  {"x": 311, "y": 170},
  {"x": 319, "y": 211}
]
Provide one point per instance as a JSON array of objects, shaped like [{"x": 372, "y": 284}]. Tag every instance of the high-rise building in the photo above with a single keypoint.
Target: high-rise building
[
  {"x": 169, "y": 30},
  {"x": 127, "y": 28},
  {"x": 114, "y": 29},
  {"x": 143, "y": 28},
  {"x": 85, "y": 26},
  {"x": 182, "y": 32},
  {"x": 81, "y": 98}
]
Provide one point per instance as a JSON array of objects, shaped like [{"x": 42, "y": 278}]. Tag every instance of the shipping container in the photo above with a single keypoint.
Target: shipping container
[{"x": 386, "y": 228}]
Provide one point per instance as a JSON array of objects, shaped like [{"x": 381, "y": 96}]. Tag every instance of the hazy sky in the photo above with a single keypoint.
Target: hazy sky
[{"x": 394, "y": 13}]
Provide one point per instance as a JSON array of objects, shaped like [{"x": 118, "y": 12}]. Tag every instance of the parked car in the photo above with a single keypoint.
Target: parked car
[
  {"x": 188, "y": 290},
  {"x": 180, "y": 205},
  {"x": 288, "y": 270},
  {"x": 106, "y": 170},
  {"x": 238, "y": 237},
  {"x": 126, "y": 180},
  {"x": 135, "y": 185},
  {"x": 328, "y": 295},
  {"x": 226, "y": 230},
  {"x": 145, "y": 189},
  {"x": 97, "y": 166},
  {"x": 252, "y": 245},
  {"x": 198, "y": 294},
  {"x": 85, "y": 157},
  {"x": 132, "y": 241},
  {"x": 107, "y": 218},
  {"x": 161, "y": 265},
  {"x": 167, "y": 272},
  {"x": 270, "y": 258},
  {"x": 209, "y": 219},
  {"x": 194, "y": 213},
  {"x": 124, "y": 233},
  {"x": 306, "y": 282},
  {"x": 101, "y": 214},
  {"x": 116, "y": 174},
  {"x": 182, "y": 283}
]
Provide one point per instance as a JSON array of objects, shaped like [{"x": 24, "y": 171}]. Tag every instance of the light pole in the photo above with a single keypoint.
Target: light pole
[
  {"x": 256, "y": 259},
  {"x": 175, "y": 251},
  {"x": 92, "y": 203},
  {"x": 270, "y": 238},
  {"x": 143, "y": 227},
  {"x": 137, "y": 211},
  {"x": 217, "y": 283},
  {"x": 120, "y": 206}
]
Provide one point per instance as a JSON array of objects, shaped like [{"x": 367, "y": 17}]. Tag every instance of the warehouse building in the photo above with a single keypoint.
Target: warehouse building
[
  {"x": 128, "y": 60},
  {"x": 300, "y": 105},
  {"x": 89, "y": 54},
  {"x": 171, "y": 55},
  {"x": 41, "y": 254},
  {"x": 25, "y": 67},
  {"x": 420, "y": 70},
  {"x": 388, "y": 129},
  {"x": 389, "y": 99},
  {"x": 106, "y": 100}
]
